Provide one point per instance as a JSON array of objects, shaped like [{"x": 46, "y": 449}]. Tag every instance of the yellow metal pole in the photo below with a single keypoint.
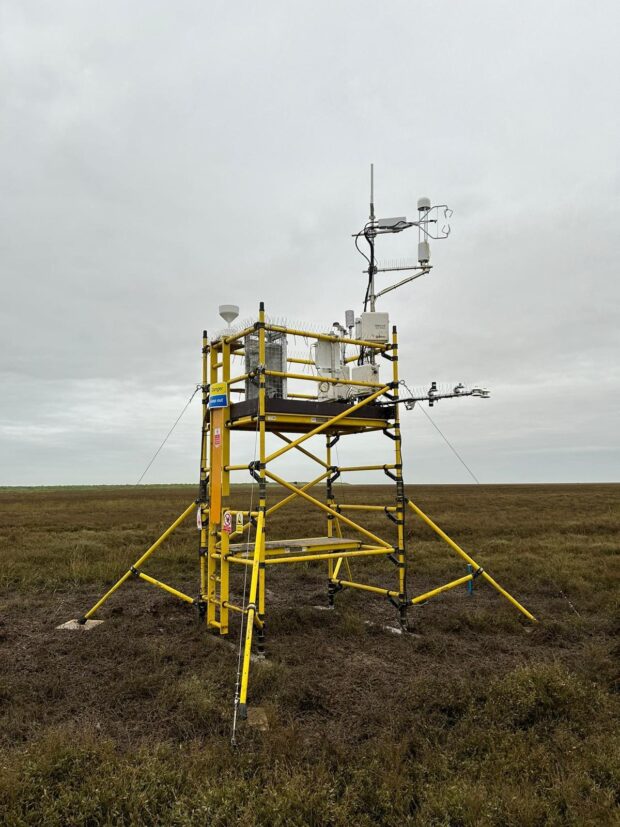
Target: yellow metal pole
[
  {"x": 350, "y": 584},
  {"x": 400, "y": 488},
  {"x": 224, "y": 568},
  {"x": 293, "y": 361},
  {"x": 330, "y": 501},
  {"x": 251, "y": 611},
  {"x": 203, "y": 495},
  {"x": 224, "y": 584},
  {"x": 303, "y": 450},
  {"x": 214, "y": 503},
  {"x": 326, "y": 337},
  {"x": 189, "y": 510},
  {"x": 165, "y": 587},
  {"x": 262, "y": 501},
  {"x": 328, "y": 424},
  {"x": 452, "y": 585},
  {"x": 471, "y": 561},
  {"x": 359, "y": 507},
  {"x": 328, "y": 510},
  {"x": 310, "y": 377},
  {"x": 366, "y": 467},
  {"x": 334, "y": 555},
  {"x": 225, "y": 430}
]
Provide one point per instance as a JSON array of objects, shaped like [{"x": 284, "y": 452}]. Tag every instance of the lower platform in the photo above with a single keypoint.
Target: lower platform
[
  {"x": 301, "y": 416},
  {"x": 302, "y": 544}
]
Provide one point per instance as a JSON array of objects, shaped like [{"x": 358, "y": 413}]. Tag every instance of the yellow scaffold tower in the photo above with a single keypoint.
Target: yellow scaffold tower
[{"x": 340, "y": 395}]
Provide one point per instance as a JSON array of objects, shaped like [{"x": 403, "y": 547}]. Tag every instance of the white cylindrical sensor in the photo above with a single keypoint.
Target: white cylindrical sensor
[
  {"x": 424, "y": 252},
  {"x": 229, "y": 312},
  {"x": 424, "y": 204}
]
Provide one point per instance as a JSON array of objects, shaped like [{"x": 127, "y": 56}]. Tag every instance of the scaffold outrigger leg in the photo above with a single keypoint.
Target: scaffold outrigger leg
[
  {"x": 135, "y": 569},
  {"x": 477, "y": 570}
]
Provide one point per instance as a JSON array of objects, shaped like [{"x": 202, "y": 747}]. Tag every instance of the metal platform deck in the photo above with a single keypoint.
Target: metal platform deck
[{"x": 301, "y": 416}]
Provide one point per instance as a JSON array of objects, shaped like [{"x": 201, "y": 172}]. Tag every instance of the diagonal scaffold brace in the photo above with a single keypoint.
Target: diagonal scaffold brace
[
  {"x": 477, "y": 570},
  {"x": 135, "y": 569}
]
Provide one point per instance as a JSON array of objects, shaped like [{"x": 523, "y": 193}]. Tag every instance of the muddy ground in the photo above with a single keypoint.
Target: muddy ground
[{"x": 476, "y": 717}]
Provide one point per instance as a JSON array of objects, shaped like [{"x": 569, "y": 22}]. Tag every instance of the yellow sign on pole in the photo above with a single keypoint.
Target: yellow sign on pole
[{"x": 218, "y": 395}]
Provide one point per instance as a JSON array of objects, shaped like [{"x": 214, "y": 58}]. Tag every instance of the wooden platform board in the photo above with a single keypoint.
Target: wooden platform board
[{"x": 302, "y": 544}]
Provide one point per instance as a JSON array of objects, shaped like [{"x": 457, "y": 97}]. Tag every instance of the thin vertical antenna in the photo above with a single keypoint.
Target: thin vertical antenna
[
  {"x": 371, "y": 265},
  {"x": 372, "y": 192}
]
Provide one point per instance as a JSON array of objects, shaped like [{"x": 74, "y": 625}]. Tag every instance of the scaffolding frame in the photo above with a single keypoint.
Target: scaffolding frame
[{"x": 218, "y": 549}]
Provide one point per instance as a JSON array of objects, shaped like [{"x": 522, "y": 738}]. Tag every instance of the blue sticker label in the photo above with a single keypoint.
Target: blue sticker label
[{"x": 218, "y": 397}]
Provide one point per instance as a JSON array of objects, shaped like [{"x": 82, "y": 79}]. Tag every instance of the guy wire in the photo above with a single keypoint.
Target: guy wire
[
  {"x": 444, "y": 437},
  {"x": 178, "y": 419}
]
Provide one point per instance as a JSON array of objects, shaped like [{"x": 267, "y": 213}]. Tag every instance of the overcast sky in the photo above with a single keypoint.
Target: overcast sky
[{"x": 159, "y": 158}]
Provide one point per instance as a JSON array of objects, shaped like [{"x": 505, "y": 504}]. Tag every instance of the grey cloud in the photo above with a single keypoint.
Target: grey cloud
[{"x": 158, "y": 159}]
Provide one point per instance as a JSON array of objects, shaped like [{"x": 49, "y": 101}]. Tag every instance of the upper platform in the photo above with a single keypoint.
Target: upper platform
[{"x": 301, "y": 416}]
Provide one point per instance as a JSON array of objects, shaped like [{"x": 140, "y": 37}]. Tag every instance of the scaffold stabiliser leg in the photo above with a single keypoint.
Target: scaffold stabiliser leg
[
  {"x": 135, "y": 569},
  {"x": 478, "y": 570}
]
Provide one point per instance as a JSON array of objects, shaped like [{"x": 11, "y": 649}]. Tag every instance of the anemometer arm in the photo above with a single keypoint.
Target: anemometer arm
[
  {"x": 423, "y": 271},
  {"x": 433, "y": 395}
]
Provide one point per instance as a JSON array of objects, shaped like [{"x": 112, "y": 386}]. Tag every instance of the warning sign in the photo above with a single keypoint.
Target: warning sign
[
  {"x": 239, "y": 521},
  {"x": 217, "y": 437},
  {"x": 218, "y": 395},
  {"x": 227, "y": 524}
]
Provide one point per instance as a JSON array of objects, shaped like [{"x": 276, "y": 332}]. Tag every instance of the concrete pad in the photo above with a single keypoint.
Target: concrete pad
[
  {"x": 257, "y": 718},
  {"x": 393, "y": 630},
  {"x": 75, "y": 626}
]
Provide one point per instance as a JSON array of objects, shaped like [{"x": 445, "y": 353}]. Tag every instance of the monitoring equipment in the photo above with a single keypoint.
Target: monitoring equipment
[
  {"x": 275, "y": 360},
  {"x": 229, "y": 312},
  {"x": 373, "y": 327},
  {"x": 329, "y": 360},
  {"x": 235, "y": 563},
  {"x": 429, "y": 219}
]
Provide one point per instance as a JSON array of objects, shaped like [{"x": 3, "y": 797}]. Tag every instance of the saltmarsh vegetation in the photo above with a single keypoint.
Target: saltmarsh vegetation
[{"x": 475, "y": 719}]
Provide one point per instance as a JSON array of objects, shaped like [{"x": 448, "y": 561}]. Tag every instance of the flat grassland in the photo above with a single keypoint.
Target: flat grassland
[{"x": 477, "y": 718}]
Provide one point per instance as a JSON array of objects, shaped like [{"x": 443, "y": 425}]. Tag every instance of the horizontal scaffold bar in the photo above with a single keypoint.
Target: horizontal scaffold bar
[
  {"x": 298, "y": 422},
  {"x": 228, "y": 340},
  {"x": 302, "y": 396},
  {"x": 350, "y": 584},
  {"x": 365, "y": 467},
  {"x": 309, "y": 377},
  {"x": 359, "y": 507},
  {"x": 294, "y": 361},
  {"x": 327, "y": 337},
  {"x": 305, "y": 558}
]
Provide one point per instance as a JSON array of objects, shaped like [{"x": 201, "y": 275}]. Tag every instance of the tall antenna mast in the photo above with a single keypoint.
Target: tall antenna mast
[
  {"x": 429, "y": 221},
  {"x": 370, "y": 236},
  {"x": 372, "y": 192}
]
